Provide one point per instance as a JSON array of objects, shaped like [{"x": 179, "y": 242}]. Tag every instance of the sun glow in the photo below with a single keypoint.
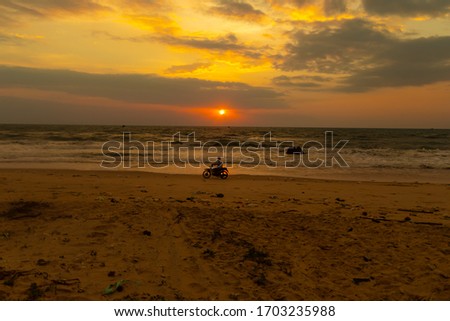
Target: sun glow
[{"x": 222, "y": 112}]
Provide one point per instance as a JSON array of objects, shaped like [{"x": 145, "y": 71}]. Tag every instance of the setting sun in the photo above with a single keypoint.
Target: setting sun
[{"x": 222, "y": 112}]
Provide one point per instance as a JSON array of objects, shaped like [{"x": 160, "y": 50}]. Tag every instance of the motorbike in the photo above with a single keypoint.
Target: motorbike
[{"x": 219, "y": 172}]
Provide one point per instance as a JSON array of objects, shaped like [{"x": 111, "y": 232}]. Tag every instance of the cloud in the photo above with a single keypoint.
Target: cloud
[
  {"x": 407, "y": 7},
  {"x": 367, "y": 56},
  {"x": 188, "y": 68},
  {"x": 332, "y": 7},
  {"x": 48, "y": 8},
  {"x": 338, "y": 49},
  {"x": 156, "y": 22},
  {"x": 19, "y": 110},
  {"x": 329, "y": 7},
  {"x": 302, "y": 81},
  {"x": 219, "y": 44},
  {"x": 224, "y": 43},
  {"x": 137, "y": 88},
  {"x": 9, "y": 39},
  {"x": 412, "y": 62},
  {"x": 145, "y": 4},
  {"x": 236, "y": 9}
]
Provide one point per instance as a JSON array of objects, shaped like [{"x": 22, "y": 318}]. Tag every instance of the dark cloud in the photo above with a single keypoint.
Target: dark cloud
[
  {"x": 187, "y": 68},
  {"x": 16, "y": 110},
  {"x": 367, "y": 56},
  {"x": 335, "y": 49},
  {"x": 413, "y": 62},
  {"x": 227, "y": 42},
  {"x": 332, "y": 7},
  {"x": 137, "y": 88},
  {"x": 407, "y": 7},
  {"x": 238, "y": 10},
  {"x": 300, "y": 81},
  {"x": 297, "y": 3}
]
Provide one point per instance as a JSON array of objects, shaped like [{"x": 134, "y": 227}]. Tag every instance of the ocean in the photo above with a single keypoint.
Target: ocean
[{"x": 403, "y": 155}]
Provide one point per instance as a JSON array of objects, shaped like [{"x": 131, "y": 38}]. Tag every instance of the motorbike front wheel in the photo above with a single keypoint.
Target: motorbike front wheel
[{"x": 206, "y": 174}]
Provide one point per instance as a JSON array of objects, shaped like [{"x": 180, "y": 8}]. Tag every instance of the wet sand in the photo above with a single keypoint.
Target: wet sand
[{"x": 98, "y": 235}]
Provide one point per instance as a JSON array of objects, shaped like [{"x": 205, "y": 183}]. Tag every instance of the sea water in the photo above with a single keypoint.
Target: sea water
[{"x": 421, "y": 155}]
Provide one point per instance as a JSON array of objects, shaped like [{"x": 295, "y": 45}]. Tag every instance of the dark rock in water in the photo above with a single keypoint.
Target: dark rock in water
[
  {"x": 407, "y": 219},
  {"x": 147, "y": 233},
  {"x": 42, "y": 262},
  {"x": 220, "y": 195},
  {"x": 294, "y": 150}
]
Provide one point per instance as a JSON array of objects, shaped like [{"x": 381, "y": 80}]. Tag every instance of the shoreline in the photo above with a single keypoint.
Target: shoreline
[
  {"x": 172, "y": 237},
  {"x": 381, "y": 175}
]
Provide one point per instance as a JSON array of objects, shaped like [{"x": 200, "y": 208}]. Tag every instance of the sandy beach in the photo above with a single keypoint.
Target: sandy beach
[{"x": 105, "y": 235}]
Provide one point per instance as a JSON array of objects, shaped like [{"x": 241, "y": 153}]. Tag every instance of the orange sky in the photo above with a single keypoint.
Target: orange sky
[{"x": 332, "y": 63}]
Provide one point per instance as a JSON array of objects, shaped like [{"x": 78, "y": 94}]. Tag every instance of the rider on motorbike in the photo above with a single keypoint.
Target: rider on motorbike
[{"x": 218, "y": 165}]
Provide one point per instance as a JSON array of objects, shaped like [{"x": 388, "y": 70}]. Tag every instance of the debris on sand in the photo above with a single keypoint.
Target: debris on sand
[
  {"x": 24, "y": 209},
  {"x": 114, "y": 287}
]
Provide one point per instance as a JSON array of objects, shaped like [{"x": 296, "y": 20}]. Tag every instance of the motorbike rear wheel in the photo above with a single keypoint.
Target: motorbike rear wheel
[{"x": 224, "y": 175}]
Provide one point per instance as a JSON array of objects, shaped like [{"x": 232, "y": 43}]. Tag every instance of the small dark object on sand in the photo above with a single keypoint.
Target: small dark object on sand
[
  {"x": 33, "y": 292},
  {"x": 261, "y": 279},
  {"x": 42, "y": 262},
  {"x": 115, "y": 287},
  {"x": 208, "y": 253},
  {"x": 112, "y": 274},
  {"x": 147, "y": 233},
  {"x": 357, "y": 281},
  {"x": 220, "y": 195}
]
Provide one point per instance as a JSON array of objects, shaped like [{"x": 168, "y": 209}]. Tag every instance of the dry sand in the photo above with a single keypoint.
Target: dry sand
[{"x": 68, "y": 235}]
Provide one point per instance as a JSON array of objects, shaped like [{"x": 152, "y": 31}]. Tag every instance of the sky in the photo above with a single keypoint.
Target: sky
[{"x": 300, "y": 63}]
